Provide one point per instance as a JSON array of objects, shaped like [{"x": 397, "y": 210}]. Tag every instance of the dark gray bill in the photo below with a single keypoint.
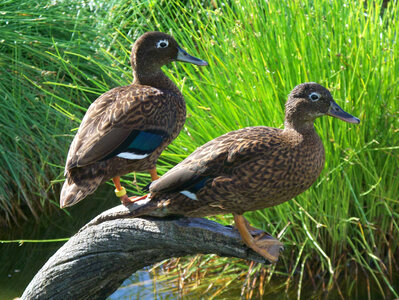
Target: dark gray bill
[
  {"x": 337, "y": 112},
  {"x": 184, "y": 56}
]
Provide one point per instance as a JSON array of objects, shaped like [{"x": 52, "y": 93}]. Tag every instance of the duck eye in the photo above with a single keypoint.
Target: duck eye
[
  {"x": 162, "y": 44},
  {"x": 314, "y": 96}
]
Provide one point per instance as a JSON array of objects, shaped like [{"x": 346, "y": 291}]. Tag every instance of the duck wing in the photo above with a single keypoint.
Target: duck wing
[
  {"x": 219, "y": 157},
  {"x": 129, "y": 122}
]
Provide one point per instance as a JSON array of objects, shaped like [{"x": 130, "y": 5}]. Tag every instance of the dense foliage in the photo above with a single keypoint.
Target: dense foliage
[{"x": 56, "y": 59}]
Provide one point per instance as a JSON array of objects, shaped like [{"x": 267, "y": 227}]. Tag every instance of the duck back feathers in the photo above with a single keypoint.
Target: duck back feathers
[{"x": 244, "y": 170}]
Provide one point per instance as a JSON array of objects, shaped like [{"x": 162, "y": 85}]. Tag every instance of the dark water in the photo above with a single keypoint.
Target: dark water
[{"x": 19, "y": 263}]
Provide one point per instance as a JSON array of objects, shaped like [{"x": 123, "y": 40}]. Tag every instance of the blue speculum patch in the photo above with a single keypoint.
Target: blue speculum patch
[
  {"x": 140, "y": 142},
  {"x": 198, "y": 185},
  {"x": 145, "y": 142}
]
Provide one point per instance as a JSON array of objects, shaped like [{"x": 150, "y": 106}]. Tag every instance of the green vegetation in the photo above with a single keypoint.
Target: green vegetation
[
  {"x": 34, "y": 137},
  {"x": 345, "y": 226}
]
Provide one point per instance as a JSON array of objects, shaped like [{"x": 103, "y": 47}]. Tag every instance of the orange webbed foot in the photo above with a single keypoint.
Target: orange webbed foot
[
  {"x": 257, "y": 240},
  {"x": 126, "y": 201}
]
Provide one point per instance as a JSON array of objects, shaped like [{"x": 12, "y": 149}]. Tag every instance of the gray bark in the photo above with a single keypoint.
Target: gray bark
[{"x": 95, "y": 261}]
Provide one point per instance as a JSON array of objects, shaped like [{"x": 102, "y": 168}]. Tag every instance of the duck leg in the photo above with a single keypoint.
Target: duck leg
[
  {"x": 262, "y": 243},
  {"x": 120, "y": 192},
  {"x": 153, "y": 173}
]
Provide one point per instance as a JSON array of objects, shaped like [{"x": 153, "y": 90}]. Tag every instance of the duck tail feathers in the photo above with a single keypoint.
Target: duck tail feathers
[{"x": 71, "y": 194}]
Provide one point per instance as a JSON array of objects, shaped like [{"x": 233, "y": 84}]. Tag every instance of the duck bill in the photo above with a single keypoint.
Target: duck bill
[
  {"x": 184, "y": 56},
  {"x": 337, "y": 112}
]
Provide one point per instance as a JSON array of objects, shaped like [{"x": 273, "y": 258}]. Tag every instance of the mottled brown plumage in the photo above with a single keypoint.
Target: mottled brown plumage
[
  {"x": 250, "y": 168},
  {"x": 128, "y": 127}
]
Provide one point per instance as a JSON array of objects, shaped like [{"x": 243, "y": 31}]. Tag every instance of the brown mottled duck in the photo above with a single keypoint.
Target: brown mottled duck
[
  {"x": 249, "y": 169},
  {"x": 127, "y": 128}
]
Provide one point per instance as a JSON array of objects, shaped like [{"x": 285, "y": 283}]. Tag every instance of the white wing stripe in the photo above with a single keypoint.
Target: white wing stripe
[
  {"x": 189, "y": 195},
  {"x": 129, "y": 155}
]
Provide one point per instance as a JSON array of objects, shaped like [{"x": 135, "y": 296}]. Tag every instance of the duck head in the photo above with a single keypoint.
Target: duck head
[
  {"x": 154, "y": 49},
  {"x": 309, "y": 101}
]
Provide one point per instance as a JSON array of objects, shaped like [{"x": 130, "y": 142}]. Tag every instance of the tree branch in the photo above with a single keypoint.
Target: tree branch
[{"x": 95, "y": 261}]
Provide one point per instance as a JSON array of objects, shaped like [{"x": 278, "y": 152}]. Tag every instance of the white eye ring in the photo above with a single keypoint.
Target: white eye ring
[
  {"x": 162, "y": 44},
  {"x": 314, "y": 96}
]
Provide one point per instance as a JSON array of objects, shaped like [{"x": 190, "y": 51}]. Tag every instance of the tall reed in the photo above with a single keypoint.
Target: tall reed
[{"x": 34, "y": 136}]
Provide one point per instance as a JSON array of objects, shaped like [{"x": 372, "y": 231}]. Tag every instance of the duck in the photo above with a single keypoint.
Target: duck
[
  {"x": 126, "y": 129},
  {"x": 249, "y": 169}
]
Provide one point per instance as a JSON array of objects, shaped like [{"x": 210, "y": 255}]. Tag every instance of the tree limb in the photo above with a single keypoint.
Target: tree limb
[{"x": 95, "y": 261}]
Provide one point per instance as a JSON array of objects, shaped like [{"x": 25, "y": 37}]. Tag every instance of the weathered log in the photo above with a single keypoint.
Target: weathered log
[{"x": 95, "y": 261}]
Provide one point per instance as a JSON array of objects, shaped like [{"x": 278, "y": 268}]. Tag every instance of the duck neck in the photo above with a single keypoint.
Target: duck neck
[
  {"x": 155, "y": 78},
  {"x": 304, "y": 128}
]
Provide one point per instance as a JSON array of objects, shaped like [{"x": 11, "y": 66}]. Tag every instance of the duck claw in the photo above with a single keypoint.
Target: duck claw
[{"x": 258, "y": 240}]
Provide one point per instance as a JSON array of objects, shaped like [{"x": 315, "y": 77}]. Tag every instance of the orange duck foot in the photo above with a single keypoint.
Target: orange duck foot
[
  {"x": 258, "y": 240},
  {"x": 126, "y": 201}
]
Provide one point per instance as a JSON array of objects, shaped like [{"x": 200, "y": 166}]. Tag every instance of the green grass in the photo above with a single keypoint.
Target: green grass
[
  {"x": 34, "y": 137},
  {"x": 347, "y": 223}
]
